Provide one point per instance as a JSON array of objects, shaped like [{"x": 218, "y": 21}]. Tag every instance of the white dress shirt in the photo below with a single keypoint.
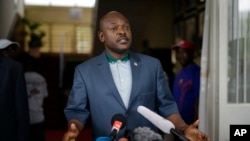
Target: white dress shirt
[{"x": 122, "y": 76}]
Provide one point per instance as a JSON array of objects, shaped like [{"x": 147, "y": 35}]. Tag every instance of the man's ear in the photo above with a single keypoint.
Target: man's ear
[{"x": 100, "y": 35}]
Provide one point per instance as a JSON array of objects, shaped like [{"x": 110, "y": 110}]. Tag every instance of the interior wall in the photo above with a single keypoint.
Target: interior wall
[
  {"x": 8, "y": 11},
  {"x": 149, "y": 19}
]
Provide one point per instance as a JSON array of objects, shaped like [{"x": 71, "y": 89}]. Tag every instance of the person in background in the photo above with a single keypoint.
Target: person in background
[
  {"x": 31, "y": 59},
  {"x": 8, "y": 48},
  {"x": 14, "y": 117},
  {"x": 37, "y": 92},
  {"x": 118, "y": 81},
  {"x": 187, "y": 82}
]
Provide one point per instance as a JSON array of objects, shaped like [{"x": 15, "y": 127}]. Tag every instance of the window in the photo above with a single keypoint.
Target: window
[
  {"x": 67, "y": 38},
  {"x": 83, "y": 40},
  {"x": 239, "y": 52}
]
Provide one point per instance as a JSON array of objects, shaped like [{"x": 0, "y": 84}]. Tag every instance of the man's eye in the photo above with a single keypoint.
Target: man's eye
[
  {"x": 127, "y": 27},
  {"x": 114, "y": 28}
]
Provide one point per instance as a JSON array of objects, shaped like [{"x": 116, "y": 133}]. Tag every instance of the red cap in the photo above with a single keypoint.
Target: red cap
[{"x": 184, "y": 44}]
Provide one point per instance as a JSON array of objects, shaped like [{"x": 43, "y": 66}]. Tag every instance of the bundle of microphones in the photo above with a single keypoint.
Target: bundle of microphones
[{"x": 142, "y": 133}]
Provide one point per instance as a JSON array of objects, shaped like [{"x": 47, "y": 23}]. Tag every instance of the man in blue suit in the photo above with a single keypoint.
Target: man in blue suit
[
  {"x": 118, "y": 81},
  {"x": 14, "y": 110}
]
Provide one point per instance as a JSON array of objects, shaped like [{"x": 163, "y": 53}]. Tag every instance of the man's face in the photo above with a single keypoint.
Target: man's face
[
  {"x": 184, "y": 56},
  {"x": 9, "y": 51},
  {"x": 115, "y": 33}
]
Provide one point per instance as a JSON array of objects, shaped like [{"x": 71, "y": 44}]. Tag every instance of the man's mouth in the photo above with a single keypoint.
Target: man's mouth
[{"x": 122, "y": 40}]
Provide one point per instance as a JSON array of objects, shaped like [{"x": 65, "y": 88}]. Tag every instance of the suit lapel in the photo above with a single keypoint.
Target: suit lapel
[
  {"x": 136, "y": 69},
  {"x": 104, "y": 69}
]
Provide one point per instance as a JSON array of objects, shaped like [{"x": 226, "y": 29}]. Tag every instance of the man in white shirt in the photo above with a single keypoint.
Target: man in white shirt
[{"x": 37, "y": 91}]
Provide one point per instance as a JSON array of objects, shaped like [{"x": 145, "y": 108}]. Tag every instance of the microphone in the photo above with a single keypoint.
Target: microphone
[
  {"x": 160, "y": 122},
  {"x": 163, "y": 124},
  {"x": 118, "y": 121},
  {"x": 146, "y": 134},
  {"x": 103, "y": 139},
  {"x": 142, "y": 134}
]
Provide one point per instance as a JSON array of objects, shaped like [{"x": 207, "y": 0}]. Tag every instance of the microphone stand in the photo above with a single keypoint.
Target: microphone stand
[{"x": 182, "y": 138}]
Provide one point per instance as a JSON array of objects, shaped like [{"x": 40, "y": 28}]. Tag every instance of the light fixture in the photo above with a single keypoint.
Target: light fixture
[{"x": 61, "y": 3}]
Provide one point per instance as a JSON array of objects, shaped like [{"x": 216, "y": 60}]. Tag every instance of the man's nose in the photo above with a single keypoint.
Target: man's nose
[{"x": 121, "y": 30}]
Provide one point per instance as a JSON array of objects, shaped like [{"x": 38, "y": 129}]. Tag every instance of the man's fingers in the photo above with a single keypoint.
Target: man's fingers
[
  {"x": 123, "y": 139},
  {"x": 196, "y": 123},
  {"x": 67, "y": 137},
  {"x": 73, "y": 127},
  {"x": 71, "y": 134}
]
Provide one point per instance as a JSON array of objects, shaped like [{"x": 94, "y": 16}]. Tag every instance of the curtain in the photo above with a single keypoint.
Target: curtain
[{"x": 209, "y": 84}]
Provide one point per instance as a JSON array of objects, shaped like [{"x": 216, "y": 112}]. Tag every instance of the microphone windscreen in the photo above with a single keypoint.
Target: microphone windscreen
[
  {"x": 103, "y": 139},
  {"x": 163, "y": 124},
  {"x": 146, "y": 134},
  {"x": 119, "y": 117}
]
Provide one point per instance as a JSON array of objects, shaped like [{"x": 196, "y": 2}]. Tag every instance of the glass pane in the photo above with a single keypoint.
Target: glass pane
[
  {"x": 83, "y": 40},
  {"x": 239, "y": 51},
  {"x": 63, "y": 38}
]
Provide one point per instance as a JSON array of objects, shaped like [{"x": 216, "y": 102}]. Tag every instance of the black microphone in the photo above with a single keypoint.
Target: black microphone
[
  {"x": 163, "y": 124},
  {"x": 118, "y": 121},
  {"x": 177, "y": 134}
]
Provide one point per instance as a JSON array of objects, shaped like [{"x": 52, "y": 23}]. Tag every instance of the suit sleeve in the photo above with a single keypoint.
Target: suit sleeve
[
  {"x": 77, "y": 102},
  {"x": 166, "y": 103}
]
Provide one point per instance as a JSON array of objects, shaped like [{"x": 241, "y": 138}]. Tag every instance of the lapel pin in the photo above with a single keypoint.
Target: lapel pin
[{"x": 135, "y": 64}]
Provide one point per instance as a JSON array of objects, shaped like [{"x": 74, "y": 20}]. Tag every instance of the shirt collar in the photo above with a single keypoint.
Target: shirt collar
[{"x": 114, "y": 60}]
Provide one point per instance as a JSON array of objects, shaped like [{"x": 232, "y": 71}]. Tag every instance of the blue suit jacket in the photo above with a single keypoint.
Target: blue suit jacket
[
  {"x": 14, "y": 110},
  {"x": 94, "y": 94}
]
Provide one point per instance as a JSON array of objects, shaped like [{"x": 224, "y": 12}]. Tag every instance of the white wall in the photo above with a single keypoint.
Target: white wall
[{"x": 8, "y": 10}]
